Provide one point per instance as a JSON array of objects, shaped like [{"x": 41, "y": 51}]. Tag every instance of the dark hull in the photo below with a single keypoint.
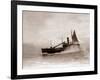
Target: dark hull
[{"x": 52, "y": 50}]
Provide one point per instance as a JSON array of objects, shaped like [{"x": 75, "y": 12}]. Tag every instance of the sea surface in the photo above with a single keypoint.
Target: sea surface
[{"x": 74, "y": 56}]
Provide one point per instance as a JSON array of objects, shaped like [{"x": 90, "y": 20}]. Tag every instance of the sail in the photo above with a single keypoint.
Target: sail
[{"x": 74, "y": 37}]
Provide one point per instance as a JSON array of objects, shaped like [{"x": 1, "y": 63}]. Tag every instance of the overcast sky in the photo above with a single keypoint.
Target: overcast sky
[{"x": 39, "y": 28}]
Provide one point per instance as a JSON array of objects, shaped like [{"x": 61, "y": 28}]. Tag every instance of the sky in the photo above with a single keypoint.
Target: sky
[{"x": 42, "y": 28}]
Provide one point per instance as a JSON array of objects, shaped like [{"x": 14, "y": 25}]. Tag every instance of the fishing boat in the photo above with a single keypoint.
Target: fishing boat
[{"x": 64, "y": 45}]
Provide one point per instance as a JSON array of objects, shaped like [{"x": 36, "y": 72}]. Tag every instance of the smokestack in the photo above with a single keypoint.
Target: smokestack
[{"x": 68, "y": 40}]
